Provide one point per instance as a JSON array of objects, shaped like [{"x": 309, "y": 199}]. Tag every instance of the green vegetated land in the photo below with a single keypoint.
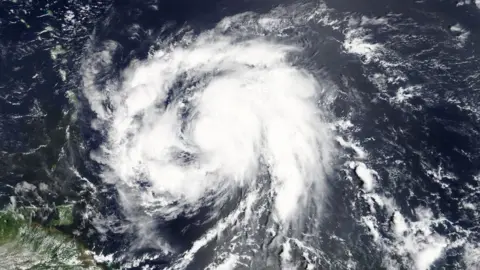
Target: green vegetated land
[{"x": 25, "y": 244}]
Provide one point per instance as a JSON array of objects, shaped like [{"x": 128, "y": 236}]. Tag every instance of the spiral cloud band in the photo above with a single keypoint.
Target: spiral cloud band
[{"x": 199, "y": 120}]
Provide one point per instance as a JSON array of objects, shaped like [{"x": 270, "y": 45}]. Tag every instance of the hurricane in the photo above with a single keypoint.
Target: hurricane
[
  {"x": 218, "y": 125},
  {"x": 221, "y": 135}
]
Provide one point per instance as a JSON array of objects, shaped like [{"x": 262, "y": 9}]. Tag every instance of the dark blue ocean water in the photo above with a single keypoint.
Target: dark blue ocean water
[{"x": 439, "y": 125}]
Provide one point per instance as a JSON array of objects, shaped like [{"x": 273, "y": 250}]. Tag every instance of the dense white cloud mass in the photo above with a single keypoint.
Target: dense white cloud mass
[{"x": 199, "y": 120}]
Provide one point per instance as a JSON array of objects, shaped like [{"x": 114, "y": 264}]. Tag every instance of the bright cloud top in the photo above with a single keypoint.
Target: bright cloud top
[{"x": 197, "y": 121}]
